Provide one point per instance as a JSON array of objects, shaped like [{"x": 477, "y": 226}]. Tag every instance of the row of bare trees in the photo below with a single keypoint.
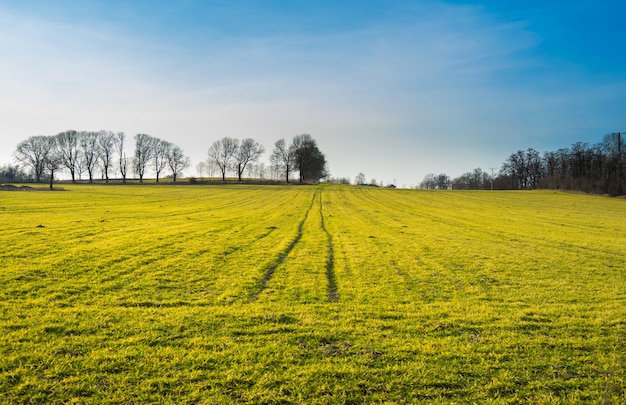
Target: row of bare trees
[
  {"x": 80, "y": 152},
  {"x": 301, "y": 155},
  {"x": 583, "y": 167},
  {"x": 435, "y": 182},
  {"x": 597, "y": 168},
  {"x": 227, "y": 153},
  {"x": 155, "y": 153}
]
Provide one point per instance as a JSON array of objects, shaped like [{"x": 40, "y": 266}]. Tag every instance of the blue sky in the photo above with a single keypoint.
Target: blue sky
[{"x": 396, "y": 89}]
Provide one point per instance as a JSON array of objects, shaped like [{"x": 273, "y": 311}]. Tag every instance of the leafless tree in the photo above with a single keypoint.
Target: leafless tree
[
  {"x": 428, "y": 182},
  {"x": 250, "y": 170},
  {"x": 474, "y": 180},
  {"x": 120, "y": 137},
  {"x": 201, "y": 168},
  {"x": 106, "y": 144},
  {"x": 360, "y": 178},
  {"x": 53, "y": 161},
  {"x": 32, "y": 153},
  {"x": 222, "y": 152},
  {"x": 160, "y": 150},
  {"x": 68, "y": 151},
  {"x": 211, "y": 168},
  {"x": 143, "y": 154},
  {"x": 283, "y": 156},
  {"x": 442, "y": 181},
  {"x": 614, "y": 148},
  {"x": 80, "y": 167},
  {"x": 261, "y": 170},
  {"x": 275, "y": 170},
  {"x": 177, "y": 161},
  {"x": 90, "y": 151},
  {"x": 249, "y": 151},
  {"x": 524, "y": 169}
]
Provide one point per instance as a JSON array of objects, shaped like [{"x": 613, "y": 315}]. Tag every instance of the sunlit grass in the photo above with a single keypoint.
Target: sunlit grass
[{"x": 220, "y": 294}]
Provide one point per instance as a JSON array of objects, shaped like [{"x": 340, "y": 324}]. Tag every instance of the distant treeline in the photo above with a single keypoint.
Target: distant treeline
[
  {"x": 104, "y": 152},
  {"x": 597, "y": 168},
  {"x": 76, "y": 153}
]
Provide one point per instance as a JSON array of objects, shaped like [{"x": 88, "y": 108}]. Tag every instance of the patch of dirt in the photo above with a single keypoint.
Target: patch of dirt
[{"x": 11, "y": 187}]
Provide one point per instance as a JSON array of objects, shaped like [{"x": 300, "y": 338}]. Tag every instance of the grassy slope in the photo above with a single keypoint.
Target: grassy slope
[{"x": 303, "y": 294}]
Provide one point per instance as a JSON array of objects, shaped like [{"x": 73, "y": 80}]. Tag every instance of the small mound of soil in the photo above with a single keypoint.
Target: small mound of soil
[{"x": 11, "y": 187}]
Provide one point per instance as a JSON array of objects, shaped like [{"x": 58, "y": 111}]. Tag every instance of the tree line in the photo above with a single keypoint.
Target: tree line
[
  {"x": 592, "y": 168},
  {"x": 597, "y": 168},
  {"x": 80, "y": 152},
  {"x": 104, "y": 152},
  {"x": 301, "y": 156}
]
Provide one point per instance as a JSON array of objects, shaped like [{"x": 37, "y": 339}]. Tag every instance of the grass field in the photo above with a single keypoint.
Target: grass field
[{"x": 311, "y": 294}]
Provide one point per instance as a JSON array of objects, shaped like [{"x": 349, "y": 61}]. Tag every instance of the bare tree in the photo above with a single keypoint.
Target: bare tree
[
  {"x": 474, "y": 180},
  {"x": 177, "y": 161},
  {"x": 90, "y": 151},
  {"x": 143, "y": 154},
  {"x": 442, "y": 181},
  {"x": 524, "y": 169},
  {"x": 80, "y": 167},
  {"x": 614, "y": 148},
  {"x": 283, "y": 156},
  {"x": 275, "y": 170},
  {"x": 249, "y": 151},
  {"x": 207, "y": 167},
  {"x": 106, "y": 144},
  {"x": 33, "y": 153},
  {"x": 53, "y": 161},
  {"x": 123, "y": 160},
  {"x": 428, "y": 182},
  {"x": 261, "y": 169},
  {"x": 68, "y": 151},
  {"x": 360, "y": 178},
  {"x": 201, "y": 168},
  {"x": 160, "y": 150},
  {"x": 250, "y": 170},
  {"x": 222, "y": 152},
  {"x": 211, "y": 168}
]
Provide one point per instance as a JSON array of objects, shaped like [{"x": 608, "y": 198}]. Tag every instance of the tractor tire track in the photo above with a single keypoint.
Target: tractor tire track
[
  {"x": 333, "y": 294},
  {"x": 270, "y": 271}
]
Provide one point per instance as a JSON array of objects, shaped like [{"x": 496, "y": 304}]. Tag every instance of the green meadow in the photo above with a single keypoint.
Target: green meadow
[{"x": 310, "y": 294}]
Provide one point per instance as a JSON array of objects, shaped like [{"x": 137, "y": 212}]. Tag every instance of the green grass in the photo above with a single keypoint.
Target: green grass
[{"x": 303, "y": 294}]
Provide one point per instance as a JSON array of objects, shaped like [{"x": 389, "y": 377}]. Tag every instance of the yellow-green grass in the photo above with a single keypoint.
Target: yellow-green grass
[{"x": 310, "y": 294}]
